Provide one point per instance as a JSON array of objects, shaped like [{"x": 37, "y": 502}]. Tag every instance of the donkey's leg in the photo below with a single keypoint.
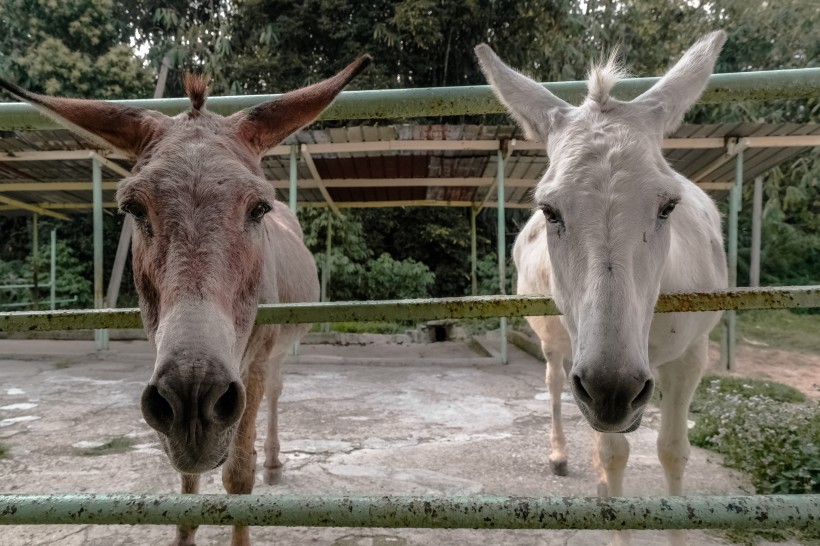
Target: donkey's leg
[
  {"x": 273, "y": 466},
  {"x": 556, "y": 377},
  {"x": 240, "y": 468},
  {"x": 610, "y": 454},
  {"x": 185, "y": 534},
  {"x": 677, "y": 381}
]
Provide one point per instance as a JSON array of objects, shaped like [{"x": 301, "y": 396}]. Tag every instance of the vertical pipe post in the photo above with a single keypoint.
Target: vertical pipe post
[
  {"x": 502, "y": 248},
  {"x": 734, "y": 209},
  {"x": 326, "y": 268},
  {"x": 53, "y": 275},
  {"x": 473, "y": 252},
  {"x": 35, "y": 256},
  {"x": 292, "y": 188},
  {"x": 100, "y": 336},
  {"x": 757, "y": 213}
]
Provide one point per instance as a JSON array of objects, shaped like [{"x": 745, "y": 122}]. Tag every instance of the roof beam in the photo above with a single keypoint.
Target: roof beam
[
  {"x": 110, "y": 165},
  {"x": 315, "y": 173},
  {"x": 413, "y": 203},
  {"x": 63, "y": 206},
  {"x": 733, "y": 146},
  {"x": 19, "y": 205},
  {"x": 54, "y": 186}
]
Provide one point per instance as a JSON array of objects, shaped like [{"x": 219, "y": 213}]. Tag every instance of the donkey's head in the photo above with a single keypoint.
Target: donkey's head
[
  {"x": 198, "y": 198},
  {"x": 608, "y": 198}
]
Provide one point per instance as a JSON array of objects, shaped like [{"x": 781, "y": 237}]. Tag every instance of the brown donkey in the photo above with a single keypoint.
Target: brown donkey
[{"x": 211, "y": 242}]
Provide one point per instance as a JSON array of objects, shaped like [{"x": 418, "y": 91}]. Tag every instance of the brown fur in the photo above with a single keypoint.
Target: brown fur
[{"x": 201, "y": 265}]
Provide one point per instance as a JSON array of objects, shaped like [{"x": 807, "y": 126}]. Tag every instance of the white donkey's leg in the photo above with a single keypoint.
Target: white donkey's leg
[
  {"x": 610, "y": 454},
  {"x": 273, "y": 466},
  {"x": 556, "y": 377},
  {"x": 185, "y": 534},
  {"x": 677, "y": 381}
]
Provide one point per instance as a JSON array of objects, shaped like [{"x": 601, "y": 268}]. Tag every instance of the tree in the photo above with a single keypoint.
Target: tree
[{"x": 69, "y": 48}]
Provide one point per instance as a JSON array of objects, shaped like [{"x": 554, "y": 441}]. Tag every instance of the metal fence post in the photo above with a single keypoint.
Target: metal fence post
[
  {"x": 730, "y": 317},
  {"x": 100, "y": 336},
  {"x": 293, "y": 177},
  {"x": 502, "y": 253},
  {"x": 53, "y": 276}
]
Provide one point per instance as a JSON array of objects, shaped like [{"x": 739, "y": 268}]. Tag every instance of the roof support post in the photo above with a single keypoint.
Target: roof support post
[
  {"x": 502, "y": 246},
  {"x": 757, "y": 210},
  {"x": 293, "y": 179},
  {"x": 53, "y": 276},
  {"x": 328, "y": 262},
  {"x": 473, "y": 251},
  {"x": 730, "y": 317},
  {"x": 100, "y": 336},
  {"x": 35, "y": 254}
]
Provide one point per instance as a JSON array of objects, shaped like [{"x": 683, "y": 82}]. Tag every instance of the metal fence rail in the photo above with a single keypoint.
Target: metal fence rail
[
  {"x": 746, "y": 512},
  {"x": 789, "y": 297},
  {"x": 801, "y": 83}
]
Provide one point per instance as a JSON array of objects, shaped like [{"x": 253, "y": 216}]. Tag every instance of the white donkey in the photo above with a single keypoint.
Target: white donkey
[{"x": 605, "y": 242}]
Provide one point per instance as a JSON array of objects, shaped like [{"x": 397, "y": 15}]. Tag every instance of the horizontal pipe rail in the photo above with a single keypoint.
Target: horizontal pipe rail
[
  {"x": 790, "y": 297},
  {"x": 799, "y": 83},
  {"x": 703, "y": 512}
]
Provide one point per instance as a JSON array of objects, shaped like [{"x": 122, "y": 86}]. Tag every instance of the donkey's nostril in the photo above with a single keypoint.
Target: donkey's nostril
[
  {"x": 229, "y": 407},
  {"x": 579, "y": 390},
  {"x": 156, "y": 410},
  {"x": 646, "y": 393}
]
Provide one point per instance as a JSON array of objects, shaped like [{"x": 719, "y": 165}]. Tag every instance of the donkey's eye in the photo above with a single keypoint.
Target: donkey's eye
[
  {"x": 134, "y": 209},
  {"x": 667, "y": 209},
  {"x": 552, "y": 215},
  {"x": 259, "y": 210}
]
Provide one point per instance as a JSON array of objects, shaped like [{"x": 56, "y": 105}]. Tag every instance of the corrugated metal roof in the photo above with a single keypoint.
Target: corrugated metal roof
[{"x": 369, "y": 177}]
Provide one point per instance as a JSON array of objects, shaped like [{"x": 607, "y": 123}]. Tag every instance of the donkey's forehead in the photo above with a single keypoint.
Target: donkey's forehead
[{"x": 602, "y": 154}]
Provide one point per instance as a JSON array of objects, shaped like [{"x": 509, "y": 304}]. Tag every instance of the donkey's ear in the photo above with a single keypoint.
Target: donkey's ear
[
  {"x": 113, "y": 126},
  {"x": 680, "y": 88},
  {"x": 535, "y": 109},
  {"x": 266, "y": 125}
]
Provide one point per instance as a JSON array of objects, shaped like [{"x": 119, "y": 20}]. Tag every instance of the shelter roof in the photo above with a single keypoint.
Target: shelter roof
[{"x": 49, "y": 171}]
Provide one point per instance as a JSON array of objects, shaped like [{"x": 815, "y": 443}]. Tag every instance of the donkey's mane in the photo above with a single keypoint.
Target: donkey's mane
[
  {"x": 602, "y": 77},
  {"x": 196, "y": 88}
]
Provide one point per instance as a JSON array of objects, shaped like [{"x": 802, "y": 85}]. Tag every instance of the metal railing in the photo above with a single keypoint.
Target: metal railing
[
  {"x": 788, "y": 297},
  {"x": 799, "y": 511},
  {"x": 695, "y": 512}
]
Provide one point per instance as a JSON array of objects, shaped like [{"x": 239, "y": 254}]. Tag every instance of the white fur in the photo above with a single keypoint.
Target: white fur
[{"x": 611, "y": 254}]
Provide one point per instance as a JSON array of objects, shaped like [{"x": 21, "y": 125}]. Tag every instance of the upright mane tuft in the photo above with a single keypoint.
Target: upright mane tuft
[
  {"x": 196, "y": 88},
  {"x": 602, "y": 78}
]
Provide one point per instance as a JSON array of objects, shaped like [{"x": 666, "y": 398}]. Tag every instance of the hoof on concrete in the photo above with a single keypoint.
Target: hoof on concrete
[
  {"x": 273, "y": 475},
  {"x": 559, "y": 468}
]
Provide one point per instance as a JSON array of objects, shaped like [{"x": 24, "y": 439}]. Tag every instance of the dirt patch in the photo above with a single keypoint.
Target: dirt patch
[{"x": 798, "y": 370}]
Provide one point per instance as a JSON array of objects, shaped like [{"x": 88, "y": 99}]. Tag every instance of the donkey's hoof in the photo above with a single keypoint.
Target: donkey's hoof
[
  {"x": 273, "y": 475},
  {"x": 559, "y": 468}
]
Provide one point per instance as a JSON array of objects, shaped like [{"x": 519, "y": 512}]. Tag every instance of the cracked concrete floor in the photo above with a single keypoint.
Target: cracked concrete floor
[{"x": 434, "y": 429}]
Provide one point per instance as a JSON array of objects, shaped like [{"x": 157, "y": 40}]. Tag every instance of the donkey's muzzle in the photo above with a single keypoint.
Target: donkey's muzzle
[
  {"x": 194, "y": 406},
  {"x": 611, "y": 402}
]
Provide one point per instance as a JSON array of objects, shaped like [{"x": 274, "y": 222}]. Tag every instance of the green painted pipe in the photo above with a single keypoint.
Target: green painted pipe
[
  {"x": 746, "y": 512},
  {"x": 469, "y": 100},
  {"x": 785, "y": 297}
]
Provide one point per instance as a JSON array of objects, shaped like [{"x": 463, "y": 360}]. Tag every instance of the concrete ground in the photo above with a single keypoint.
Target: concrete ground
[{"x": 347, "y": 427}]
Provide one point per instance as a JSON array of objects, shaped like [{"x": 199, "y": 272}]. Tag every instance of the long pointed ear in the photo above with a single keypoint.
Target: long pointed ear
[
  {"x": 535, "y": 109},
  {"x": 113, "y": 126},
  {"x": 266, "y": 125},
  {"x": 681, "y": 87}
]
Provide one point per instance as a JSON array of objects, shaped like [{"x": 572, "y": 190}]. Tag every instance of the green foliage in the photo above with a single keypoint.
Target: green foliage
[
  {"x": 781, "y": 329},
  {"x": 353, "y": 274},
  {"x": 4, "y": 451},
  {"x": 366, "y": 327},
  {"x": 759, "y": 429},
  {"x": 69, "y": 48}
]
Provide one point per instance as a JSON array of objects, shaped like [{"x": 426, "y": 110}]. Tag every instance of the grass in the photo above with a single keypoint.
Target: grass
[
  {"x": 366, "y": 327},
  {"x": 117, "y": 444},
  {"x": 767, "y": 430},
  {"x": 778, "y": 329},
  {"x": 4, "y": 451}
]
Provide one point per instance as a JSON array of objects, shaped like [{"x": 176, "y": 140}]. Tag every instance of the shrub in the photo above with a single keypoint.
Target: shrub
[{"x": 777, "y": 443}]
